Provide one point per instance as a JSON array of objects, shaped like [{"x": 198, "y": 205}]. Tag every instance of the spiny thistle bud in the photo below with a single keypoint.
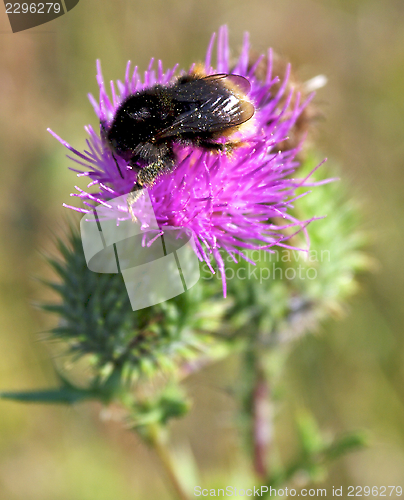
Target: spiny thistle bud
[{"x": 97, "y": 320}]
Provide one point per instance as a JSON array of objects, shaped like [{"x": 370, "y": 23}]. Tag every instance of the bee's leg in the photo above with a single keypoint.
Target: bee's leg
[
  {"x": 211, "y": 146},
  {"x": 132, "y": 197},
  {"x": 230, "y": 146},
  {"x": 146, "y": 177}
]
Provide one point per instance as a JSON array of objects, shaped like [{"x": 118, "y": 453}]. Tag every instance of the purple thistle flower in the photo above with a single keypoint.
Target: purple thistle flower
[{"x": 228, "y": 202}]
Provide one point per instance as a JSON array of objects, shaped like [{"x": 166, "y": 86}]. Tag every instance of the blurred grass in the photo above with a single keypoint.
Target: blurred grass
[{"x": 350, "y": 376}]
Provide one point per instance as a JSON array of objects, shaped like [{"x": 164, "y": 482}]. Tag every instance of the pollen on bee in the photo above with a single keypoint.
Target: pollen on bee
[{"x": 198, "y": 71}]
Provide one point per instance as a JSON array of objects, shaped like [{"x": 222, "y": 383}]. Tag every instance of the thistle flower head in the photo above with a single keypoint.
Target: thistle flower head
[{"x": 230, "y": 202}]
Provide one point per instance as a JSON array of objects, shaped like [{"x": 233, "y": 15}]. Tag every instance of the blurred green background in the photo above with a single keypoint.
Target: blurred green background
[{"x": 350, "y": 374}]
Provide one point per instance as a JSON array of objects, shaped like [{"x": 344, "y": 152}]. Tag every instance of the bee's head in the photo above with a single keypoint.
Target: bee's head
[{"x": 136, "y": 121}]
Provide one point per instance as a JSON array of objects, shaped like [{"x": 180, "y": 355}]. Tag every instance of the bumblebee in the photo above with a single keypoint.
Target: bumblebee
[{"x": 195, "y": 110}]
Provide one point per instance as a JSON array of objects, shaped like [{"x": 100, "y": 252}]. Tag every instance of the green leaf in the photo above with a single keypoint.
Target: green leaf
[
  {"x": 346, "y": 444},
  {"x": 61, "y": 395},
  {"x": 310, "y": 437}
]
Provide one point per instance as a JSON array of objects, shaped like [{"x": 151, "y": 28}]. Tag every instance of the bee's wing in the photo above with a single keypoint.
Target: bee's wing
[
  {"x": 213, "y": 107},
  {"x": 239, "y": 85}
]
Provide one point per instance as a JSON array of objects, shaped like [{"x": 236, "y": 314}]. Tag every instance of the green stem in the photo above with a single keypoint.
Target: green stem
[
  {"x": 261, "y": 420},
  {"x": 258, "y": 410},
  {"x": 157, "y": 441}
]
